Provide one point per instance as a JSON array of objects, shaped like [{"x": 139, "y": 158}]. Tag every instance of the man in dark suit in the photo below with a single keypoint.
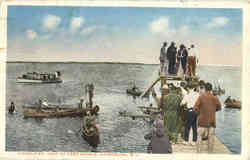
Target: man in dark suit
[{"x": 171, "y": 54}]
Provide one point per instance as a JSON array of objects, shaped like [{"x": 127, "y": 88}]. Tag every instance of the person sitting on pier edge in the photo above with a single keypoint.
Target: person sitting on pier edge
[
  {"x": 159, "y": 140},
  {"x": 171, "y": 55},
  {"x": 190, "y": 115},
  {"x": 192, "y": 61},
  {"x": 163, "y": 59},
  {"x": 12, "y": 108},
  {"x": 206, "y": 106}
]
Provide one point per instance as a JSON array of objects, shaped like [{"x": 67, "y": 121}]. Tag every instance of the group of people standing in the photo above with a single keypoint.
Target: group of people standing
[
  {"x": 178, "y": 62},
  {"x": 196, "y": 103}
]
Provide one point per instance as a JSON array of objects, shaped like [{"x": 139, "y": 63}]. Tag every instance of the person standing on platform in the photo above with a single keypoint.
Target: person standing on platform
[
  {"x": 206, "y": 106},
  {"x": 184, "y": 60},
  {"x": 178, "y": 62},
  {"x": 171, "y": 55},
  {"x": 192, "y": 61},
  {"x": 163, "y": 59}
]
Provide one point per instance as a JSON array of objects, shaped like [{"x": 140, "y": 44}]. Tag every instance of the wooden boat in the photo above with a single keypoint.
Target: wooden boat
[
  {"x": 232, "y": 103},
  {"x": 134, "y": 116},
  {"x": 134, "y": 92},
  {"x": 50, "y": 112},
  {"x": 38, "y": 78},
  {"x": 236, "y": 104},
  {"x": 90, "y": 132}
]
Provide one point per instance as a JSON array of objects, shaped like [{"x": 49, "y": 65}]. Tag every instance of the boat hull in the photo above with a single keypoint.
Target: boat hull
[
  {"x": 236, "y": 104},
  {"x": 50, "y": 113},
  {"x": 133, "y": 93},
  {"x": 93, "y": 141},
  {"x": 34, "y": 81}
]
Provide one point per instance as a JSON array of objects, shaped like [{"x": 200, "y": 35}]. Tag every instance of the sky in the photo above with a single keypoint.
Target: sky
[{"x": 122, "y": 34}]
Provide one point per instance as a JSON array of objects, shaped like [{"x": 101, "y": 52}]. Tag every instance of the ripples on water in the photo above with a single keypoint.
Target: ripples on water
[{"x": 118, "y": 134}]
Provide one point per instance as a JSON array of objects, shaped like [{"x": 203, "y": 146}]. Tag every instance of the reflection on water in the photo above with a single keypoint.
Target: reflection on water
[{"x": 118, "y": 134}]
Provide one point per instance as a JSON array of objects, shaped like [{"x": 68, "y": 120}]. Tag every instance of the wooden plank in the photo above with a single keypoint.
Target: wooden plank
[{"x": 219, "y": 147}]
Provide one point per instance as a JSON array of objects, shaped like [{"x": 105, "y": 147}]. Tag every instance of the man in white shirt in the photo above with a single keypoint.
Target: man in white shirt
[
  {"x": 190, "y": 115},
  {"x": 192, "y": 61}
]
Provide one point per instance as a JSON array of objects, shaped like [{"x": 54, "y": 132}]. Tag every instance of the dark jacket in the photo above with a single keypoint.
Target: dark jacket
[
  {"x": 171, "y": 53},
  {"x": 184, "y": 55},
  {"x": 206, "y": 105}
]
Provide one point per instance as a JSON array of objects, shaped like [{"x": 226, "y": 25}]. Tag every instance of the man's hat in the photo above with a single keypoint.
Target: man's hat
[{"x": 192, "y": 85}]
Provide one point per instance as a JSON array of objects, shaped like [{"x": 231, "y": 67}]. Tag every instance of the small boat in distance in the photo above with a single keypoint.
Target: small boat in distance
[
  {"x": 34, "y": 77},
  {"x": 232, "y": 103}
]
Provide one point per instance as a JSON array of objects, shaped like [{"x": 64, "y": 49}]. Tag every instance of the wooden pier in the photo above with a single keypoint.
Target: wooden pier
[
  {"x": 219, "y": 147},
  {"x": 179, "y": 147}
]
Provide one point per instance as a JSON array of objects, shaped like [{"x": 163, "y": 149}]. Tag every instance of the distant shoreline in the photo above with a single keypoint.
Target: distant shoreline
[
  {"x": 72, "y": 62},
  {"x": 130, "y": 63}
]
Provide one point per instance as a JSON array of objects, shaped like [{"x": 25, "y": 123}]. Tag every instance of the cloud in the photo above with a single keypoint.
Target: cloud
[
  {"x": 76, "y": 23},
  {"x": 50, "y": 22},
  {"x": 89, "y": 30},
  {"x": 31, "y": 34},
  {"x": 184, "y": 30},
  {"x": 161, "y": 26},
  {"x": 218, "y": 22}
]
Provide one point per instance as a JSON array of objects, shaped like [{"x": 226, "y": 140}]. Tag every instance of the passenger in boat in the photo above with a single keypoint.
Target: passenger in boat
[
  {"x": 91, "y": 94},
  {"x": 206, "y": 106},
  {"x": 80, "y": 105},
  {"x": 163, "y": 59},
  {"x": 171, "y": 55},
  {"x": 40, "y": 103},
  {"x": 95, "y": 110},
  {"x": 91, "y": 131},
  {"x": 190, "y": 115},
  {"x": 192, "y": 61},
  {"x": 12, "y": 108}
]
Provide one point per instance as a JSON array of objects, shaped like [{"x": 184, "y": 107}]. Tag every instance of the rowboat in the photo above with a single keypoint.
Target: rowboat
[
  {"x": 232, "y": 103},
  {"x": 40, "y": 78},
  {"x": 50, "y": 112},
  {"x": 134, "y": 92},
  {"x": 236, "y": 104},
  {"x": 90, "y": 132}
]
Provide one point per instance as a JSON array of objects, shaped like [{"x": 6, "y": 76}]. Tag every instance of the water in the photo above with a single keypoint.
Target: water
[{"x": 118, "y": 134}]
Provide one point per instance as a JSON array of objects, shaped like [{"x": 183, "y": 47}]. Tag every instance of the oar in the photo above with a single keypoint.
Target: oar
[{"x": 145, "y": 92}]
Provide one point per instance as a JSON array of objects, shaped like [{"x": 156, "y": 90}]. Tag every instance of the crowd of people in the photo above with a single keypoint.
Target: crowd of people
[
  {"x": 178, "y": 62},
  {"x": 192, "y": 105}
]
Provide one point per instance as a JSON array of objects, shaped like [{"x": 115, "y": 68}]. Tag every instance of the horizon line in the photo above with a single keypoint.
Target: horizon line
[{"x": 105, "y": 62}]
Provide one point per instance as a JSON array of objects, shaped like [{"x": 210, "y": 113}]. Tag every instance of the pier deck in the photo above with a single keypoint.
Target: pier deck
[{"x": 219, "y": 147}]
